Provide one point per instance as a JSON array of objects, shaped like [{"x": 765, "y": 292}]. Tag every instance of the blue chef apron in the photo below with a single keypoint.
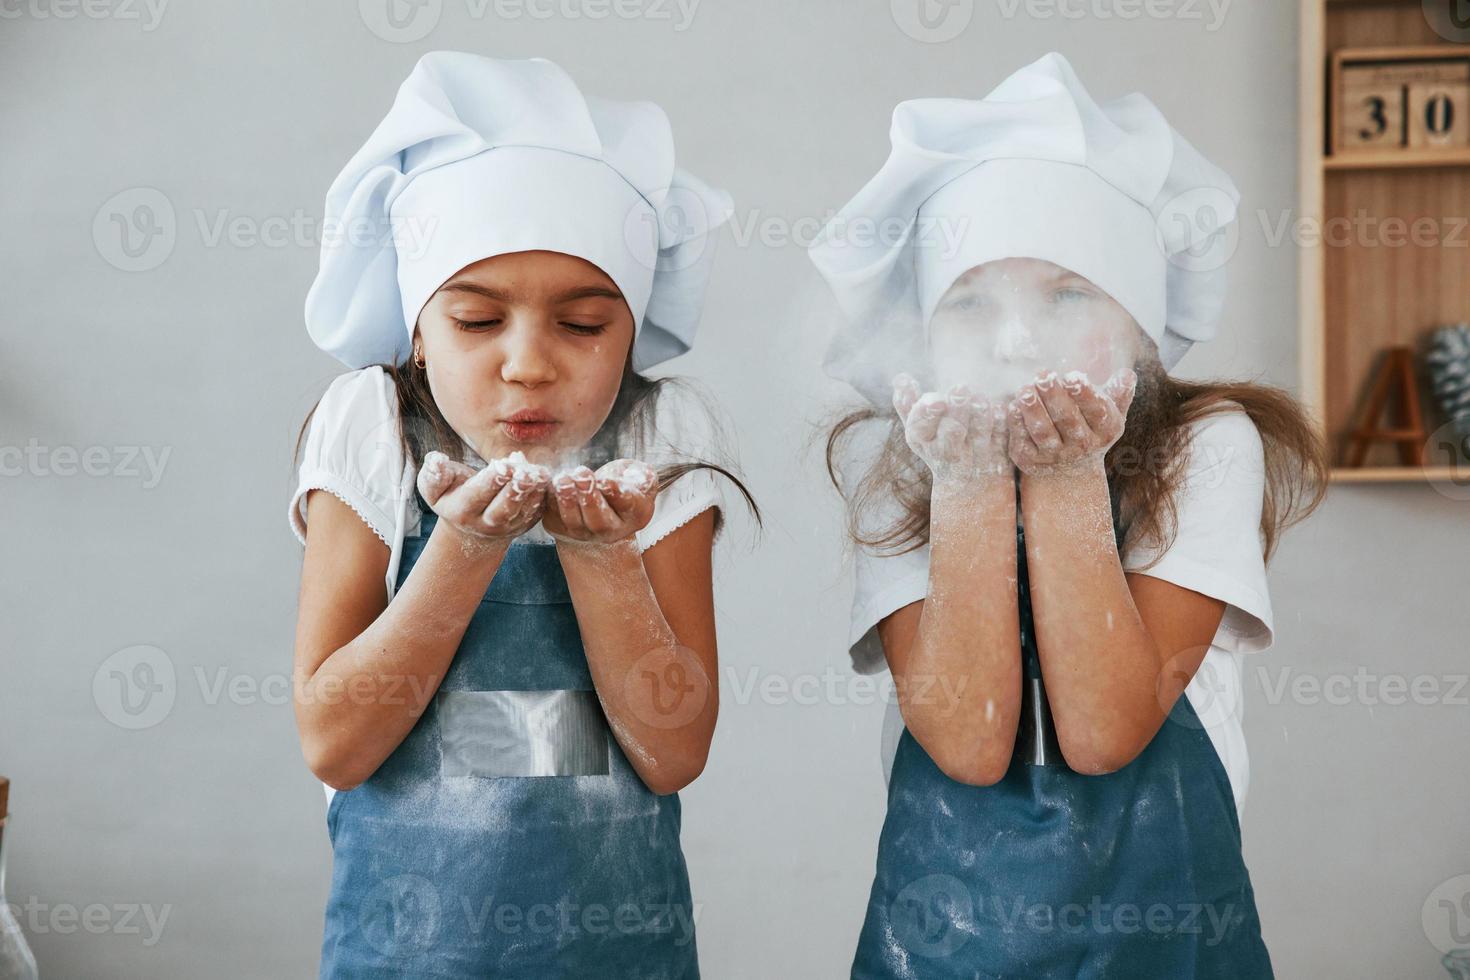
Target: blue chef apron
[
  {"x": 1135, "y": 875},
  {"x": 508, "y": 836}
]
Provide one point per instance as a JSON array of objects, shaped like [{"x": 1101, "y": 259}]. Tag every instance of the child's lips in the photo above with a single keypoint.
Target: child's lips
[{"x": 528, "y": 431}]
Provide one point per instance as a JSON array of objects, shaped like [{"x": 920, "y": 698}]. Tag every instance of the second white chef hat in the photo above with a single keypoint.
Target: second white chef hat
[{"x": 1036, "y": 169}]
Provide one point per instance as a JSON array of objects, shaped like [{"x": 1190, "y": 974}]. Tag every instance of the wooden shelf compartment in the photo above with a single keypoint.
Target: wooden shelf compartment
[{"x": 1359, "y": 294}]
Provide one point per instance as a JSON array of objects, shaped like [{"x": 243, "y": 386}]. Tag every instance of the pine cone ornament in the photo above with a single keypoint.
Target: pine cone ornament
[{"x": 1449, "y": 374}]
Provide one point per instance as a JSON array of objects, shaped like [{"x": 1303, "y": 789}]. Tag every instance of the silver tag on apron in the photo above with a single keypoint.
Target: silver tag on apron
[{"x": 522, "y": 733}]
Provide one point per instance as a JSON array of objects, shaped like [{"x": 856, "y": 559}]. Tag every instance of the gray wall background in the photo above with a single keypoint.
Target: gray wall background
[{"x": 240, "y": 112}]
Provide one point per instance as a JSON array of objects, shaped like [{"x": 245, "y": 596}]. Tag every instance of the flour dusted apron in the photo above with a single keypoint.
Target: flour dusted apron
[
  {"x": 508, "y": 836},
  {"x": 1133, "y": 875}
]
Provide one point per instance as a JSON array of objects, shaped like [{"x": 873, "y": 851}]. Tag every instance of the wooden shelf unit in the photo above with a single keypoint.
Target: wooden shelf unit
[{"x": 1360, "y": 294}]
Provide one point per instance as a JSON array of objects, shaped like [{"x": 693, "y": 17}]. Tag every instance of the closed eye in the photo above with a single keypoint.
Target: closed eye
[
  {"x": 475, "y": 325},
  {"x": 480, "y": 326}
]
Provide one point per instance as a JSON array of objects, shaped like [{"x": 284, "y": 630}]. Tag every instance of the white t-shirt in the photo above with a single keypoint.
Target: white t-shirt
[
  {"x": 353, "y": 451},
  {"x": 1218, "y": 552}
]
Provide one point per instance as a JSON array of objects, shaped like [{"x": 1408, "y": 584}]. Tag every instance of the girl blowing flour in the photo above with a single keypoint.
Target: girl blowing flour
[
  {"x": 507, "y": 723},
  {"x": 1057, "y": 540}
]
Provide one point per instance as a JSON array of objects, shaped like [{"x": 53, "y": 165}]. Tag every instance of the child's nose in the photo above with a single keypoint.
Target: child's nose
[
  {"x": 526, "y": 359},
  {"x": 1014, "y": 341}
]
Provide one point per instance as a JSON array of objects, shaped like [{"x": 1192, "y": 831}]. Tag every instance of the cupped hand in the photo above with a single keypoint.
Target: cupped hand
[
  {"x": 958, "y": 435},
  {"x": 1058, "y": 424},
  {"x": 499, "y": 502},
  {"x": 604, "y": 507}
]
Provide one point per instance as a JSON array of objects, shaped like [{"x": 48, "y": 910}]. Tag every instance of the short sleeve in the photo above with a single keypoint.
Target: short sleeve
[
  {"x": 353, "y": 451},
  {"x": 882, "y": 583},
  {"x": 1218, "y": 550},
  {"x": 683, "y": 429}
]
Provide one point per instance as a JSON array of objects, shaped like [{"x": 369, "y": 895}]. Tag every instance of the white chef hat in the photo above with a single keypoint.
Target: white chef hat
[
  {"x": 1036, "y": 169},
  {"x": 481, "y": 157}
]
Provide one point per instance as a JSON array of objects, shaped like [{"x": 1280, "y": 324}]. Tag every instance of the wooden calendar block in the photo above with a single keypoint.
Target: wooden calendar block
[
  {"x": 1371, "y": 116},
  {"x": 1439, "y": 115}
]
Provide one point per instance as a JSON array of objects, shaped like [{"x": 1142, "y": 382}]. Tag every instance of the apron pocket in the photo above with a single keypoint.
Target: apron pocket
[{"x": 522, "y": 733}]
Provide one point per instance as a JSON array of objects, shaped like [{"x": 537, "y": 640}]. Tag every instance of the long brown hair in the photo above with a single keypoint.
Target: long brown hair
[
  {"x": 1145, "y": 467},
  {"x": 628, "y": 430}
]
